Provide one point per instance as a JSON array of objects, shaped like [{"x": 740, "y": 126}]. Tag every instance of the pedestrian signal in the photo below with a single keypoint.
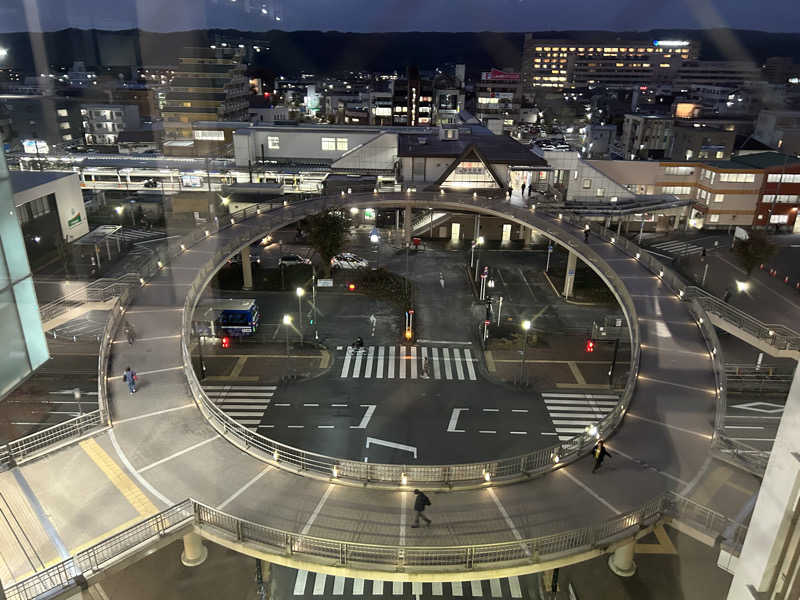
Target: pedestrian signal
[
  {"x": 351, "y": 287},
  {"x": 226, "y": 342},
  {"x": 589, "y": 345}
]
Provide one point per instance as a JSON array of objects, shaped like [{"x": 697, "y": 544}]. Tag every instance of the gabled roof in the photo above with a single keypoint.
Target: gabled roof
[{"x": 469, "y": 152}]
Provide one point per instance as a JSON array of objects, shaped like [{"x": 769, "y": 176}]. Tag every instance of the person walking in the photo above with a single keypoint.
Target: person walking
[
  {"x": 586, "y": 234},
  {"x": 726, "y": 297},
  {"x": 419, "y": 507},
  {"x": 130, "y": 333},
  {"x": 426, "y": 368},
  {"x": 599, "y": 452},
  {"x": 129, "y": 377}
]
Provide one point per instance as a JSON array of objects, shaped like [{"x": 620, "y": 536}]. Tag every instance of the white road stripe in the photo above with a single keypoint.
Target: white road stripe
[
  {"x": 457, "y": 360},
  {"x": 318, "y": 508},
  {"x": 476, "y": 587},
  {"x": 457, "y": 589},
  {"x": 243, "y": 489},
  {"x": 300, "y": 582},
  {"x": 494, "y": 586},
  {"x": 423, "y": 358},
  {"x": 253, "y": 388},
  {"x": 571, "y": 415},
  {"x": 358, "y": 586},
  {"x": 413, "y": 362},
  {"x": 448, "y": 372},
  {"x": 402, "y": 374},
  {"x": 377, "y": 587},
  {"x": 379, "y": 373},
  {"x": 564, "y": 395},
  {"x": 397, "y": 588},
  {"x": 177, "y": 454},
  {"x": 357, "y": 365},
  {"x": 368, "y": 368},
  {"x": 338, "y": 585},
  {"x": 416, "y": 588},
  {"x": 319, "y": 584},
  {"x": 346, "y": 366},
  {"x": 470, "y": 367},
  {"x": 580, "y": 402},
  {"x": 516, "y": 590},
  {"x": 437, "y": 589},
  {"x": 367, "y": 416},
  {"x": 240, "y": 394},
  {"x": 437, "y": 371},
  {"x": 390, "y": 374}
]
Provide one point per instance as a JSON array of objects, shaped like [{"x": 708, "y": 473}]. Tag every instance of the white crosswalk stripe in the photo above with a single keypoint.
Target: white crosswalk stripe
[
  {"x": 506, "y": 587},
  {"x": 244, "y": 403},
  {"x": 678, "y": 248},
  {"x": 408, "y": 362},
  {"x": 572, "y": 412}
]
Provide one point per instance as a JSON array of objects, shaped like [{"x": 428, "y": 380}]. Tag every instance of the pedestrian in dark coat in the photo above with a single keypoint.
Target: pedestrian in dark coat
[
  {"x": 599, "y": 452},
  {"x": 586, "y": 234},
  {"x": 420, "y": 503}
]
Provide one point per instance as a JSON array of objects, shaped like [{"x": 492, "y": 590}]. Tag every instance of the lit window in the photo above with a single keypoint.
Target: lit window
[
  {"x": 713, "y": 218},
  {"x": 779, "y": 219},
  {"x": 62, "y": 112},
  {"x": 273, "y": 142},
  {"x": 719, "y": 197},
  {"x": 587, "y": 184},
  {"x": 600, "y": 192},
  {"x": 64, "y": 125},
  {"x": 66, "y": 137},
  {"x": 774, "y": 177},
  {"x": 342, "y": 144}
]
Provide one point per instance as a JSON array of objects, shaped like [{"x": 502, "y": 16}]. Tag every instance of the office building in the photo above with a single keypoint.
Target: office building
[
  {"x": 209, "y": 84},
  {"x": 412, "y": 100},
  {"x": 498, "y": 97},
  {"x": 779, "y": 129},
  {"x": 646, "y": 136},
  {"x": 699, "y": 143}
]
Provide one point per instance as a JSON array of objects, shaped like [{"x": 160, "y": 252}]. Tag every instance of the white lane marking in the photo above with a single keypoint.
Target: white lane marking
[
  {"x": 338, "y": 585},
  {"x": 518, "y": 432},
  {"x": 319, "y": 583},
  {"x": 457, "y": 360},
  {"x": 326, "y": 426},
  {"x": 487, "y": 431},
  {"x": 519, "y": 410},
  {"x": 402, "y": 374},
  {"x": 451, "y": 427},
  {"x": 153, "y": 414},
  {"x": 476, "y": 588},
  {"x": 358, "y": 586},
  {"x": 516, "y": 590},
  {"x": 243, "y": 489},
  {"x": 416, "y": 588},
  {"x": 571, "y": 415},
  {"x": 588, "y": 490},
  {"x": 318, "y": 508},
  {"x": 448, "y": 371},
  {"x": 395, "y": 445},
  {"x": 397, "y": 588},
  {"x": 148, "y": 372},
  {"x": 578, "y": 396},
  {"x": 124, "y": 459},
  {"x": 310, "y": 404},
  {"x": 367, "y": 416},
  {"x": 178, "y": 453},
  {"x": 340, "y": 405},
  {"x": 457, "y": 588},
  {"x": 403, "y": 502},
  {"x": 295, "y": 426},
  {"x": 742, "y": 427},
  {"x": 379, "y": 373},
  {"x": 548, "y": 433},
  {"x": 390, "y": 365},
  {"x": 437, "y": 368},
  {"x": 233, "y": 388},
  {"x": 494, "y": 586},
  {"x": 357, "y": 365},
  {"x": 491, "y": 410},
  {"x": 470, "y": 367},
  {"x": 437, "y": 589},
  {"x": 557, "y": 403},
  {"x": 300, "y": 582},
  {"x": 377, "y": 587},
  {"x": 368, "y": 368},
  {"x": 640, "y": 463},
  {"x": 346, "y": 366},
  {"x": 282, "y": 404},
  {"x": 413, "y": 362}
]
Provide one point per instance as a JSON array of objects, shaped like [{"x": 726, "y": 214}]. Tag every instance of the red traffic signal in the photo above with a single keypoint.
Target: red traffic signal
[
  {"x": 351, "y": 287},
  {"x": 589, "y": 345},
  {"x": 226, "y": 342}
]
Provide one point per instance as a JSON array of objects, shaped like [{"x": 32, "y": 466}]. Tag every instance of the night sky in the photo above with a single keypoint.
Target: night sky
[{"x": 400, "y": 15}]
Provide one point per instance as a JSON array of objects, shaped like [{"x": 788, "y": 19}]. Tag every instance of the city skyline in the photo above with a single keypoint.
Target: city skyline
[{"x": 393, "y": 15}]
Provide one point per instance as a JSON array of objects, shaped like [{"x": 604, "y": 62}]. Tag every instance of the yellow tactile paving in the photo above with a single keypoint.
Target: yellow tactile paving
[{"x": 140, "y": 502}]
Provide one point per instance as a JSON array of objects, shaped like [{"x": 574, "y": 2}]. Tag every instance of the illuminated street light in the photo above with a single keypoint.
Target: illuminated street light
[
  {"x": 300, "y": 293},
  {"x": 742, "y": 286},
  {"x": 526, "y": 325}
]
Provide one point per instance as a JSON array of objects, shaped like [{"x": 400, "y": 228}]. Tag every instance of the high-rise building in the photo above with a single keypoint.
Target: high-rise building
[
  {"x": 412, "y": 102},
  {"x": 209, "y": 85},
  {"x": 566, "y": 63},
  {"x": 498, "y": 100}
]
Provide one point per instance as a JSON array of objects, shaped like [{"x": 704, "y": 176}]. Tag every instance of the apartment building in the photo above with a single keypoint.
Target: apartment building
[
  {"x": 779, "y": 129},
  {"x": 209, "y": 84},
  {"x": 412, "y": 100},
  {"x": 102, "y": 123},
  {"x": 646, "y": 136},
  {"x": 498, "y": 96}
]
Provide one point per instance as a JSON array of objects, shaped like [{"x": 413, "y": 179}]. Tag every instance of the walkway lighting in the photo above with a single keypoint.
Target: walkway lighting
[
  {"x": 742, "y": 286},
  {"x": 353, "y": 210},
  {"x": 119, "y": 210},
  {"x": 403, "y": 479},
  {"x": 771, "y": 333},
  {"x": 638, "y": 255},
  {"x": 141, "y": 280},
  {"x": 661, "y": 273},
  {"x": 275, "y": 454},
  {"x": 335, "y": 471},
  {"x": 480, "y": 240},
  {"x": 487, "y": 476},
  {"x": 207, "y": 233},
  {"x": 160, "y": 265},
  {"x": 287, "y": 319},
  {"x": 233, "y": 221},
  {"x": 183, "y": 247},
  {"x": 613, "y": 239}
]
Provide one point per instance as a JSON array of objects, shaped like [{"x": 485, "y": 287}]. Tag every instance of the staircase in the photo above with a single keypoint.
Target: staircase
[{"x": 429, "y": 220}]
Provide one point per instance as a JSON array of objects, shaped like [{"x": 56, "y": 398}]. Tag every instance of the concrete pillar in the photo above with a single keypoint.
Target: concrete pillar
[
  {"x": 767, "y": 564},
  {"x": 477, "y": 228},
  {"x": 569, "y": 277},
  {"x": 408, "y": 216},
  {"x": 194, "y": 550},
  {"x": 619, "y": 226},
  {"x": 247, "y": 269},
  {"x": 621, "y": 561}
]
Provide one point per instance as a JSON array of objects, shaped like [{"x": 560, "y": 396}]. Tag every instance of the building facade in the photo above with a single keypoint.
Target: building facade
[{"x": 498, "y": 97}]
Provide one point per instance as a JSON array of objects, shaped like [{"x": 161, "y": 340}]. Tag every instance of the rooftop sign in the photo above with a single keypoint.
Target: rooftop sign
[
  {"x": 671, "y": 43},
  {"x": 498, "y": 75}
]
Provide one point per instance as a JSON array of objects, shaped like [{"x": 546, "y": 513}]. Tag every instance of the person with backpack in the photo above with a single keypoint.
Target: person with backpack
[
  {"x": 129, "y": 377},
  {"x": 420, "y": 503},
  {"x": 599, "y": 452}
]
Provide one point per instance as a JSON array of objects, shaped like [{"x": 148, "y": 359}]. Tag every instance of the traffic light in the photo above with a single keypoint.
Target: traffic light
[
  {"x": 590, "y": 345},
  {"x": 409, "y": 334},
  {"x": 351, "y": 287},
  {"x": 226, "y": 342}
]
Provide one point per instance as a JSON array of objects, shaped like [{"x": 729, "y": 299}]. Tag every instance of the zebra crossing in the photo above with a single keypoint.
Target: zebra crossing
[
  {"x": 245, "y": 404},
  {"x": 408, "y": 362},
  {"x": 311, "y": 585},
  {"x": 572, "y": 412},
  {"x": 678, "y": 248}
]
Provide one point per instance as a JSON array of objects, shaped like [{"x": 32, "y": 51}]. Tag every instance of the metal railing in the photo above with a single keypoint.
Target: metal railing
[
  {"x": 396, "y": 475},
  {"x": 100, "y": 290},
  {"x": 469, "y": 558},
  {"x": 778, "y": 336}
]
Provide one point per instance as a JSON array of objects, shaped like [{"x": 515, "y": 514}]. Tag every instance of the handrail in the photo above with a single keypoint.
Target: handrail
[
  {"x": 445, "y": 476},
  {"x": 406, "y": 559}
]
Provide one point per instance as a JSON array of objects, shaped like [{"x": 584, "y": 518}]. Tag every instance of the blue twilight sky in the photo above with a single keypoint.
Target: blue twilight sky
[{"x": 400, "y": 15}]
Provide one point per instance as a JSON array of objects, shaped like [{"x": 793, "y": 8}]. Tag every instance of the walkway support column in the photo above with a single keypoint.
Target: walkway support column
[
  {"x": 476, "y": 231},
  {"x": 194, "y": 550},
  {"x": 407, "y": 224},
  {"x": 569, "y": 278},
  {"x": 621, "y": 561},
  {"x": 247, "y": 269}
]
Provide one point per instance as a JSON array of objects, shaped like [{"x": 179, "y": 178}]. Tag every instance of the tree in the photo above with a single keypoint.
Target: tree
[
  {"x": 326, "y": 235},
  {"x": 756, "y": 249}
]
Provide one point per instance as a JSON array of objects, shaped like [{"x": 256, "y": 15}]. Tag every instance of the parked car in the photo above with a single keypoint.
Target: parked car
[
  {"x": 348, "y": 261},
  {"x": 287, "y": 260}
]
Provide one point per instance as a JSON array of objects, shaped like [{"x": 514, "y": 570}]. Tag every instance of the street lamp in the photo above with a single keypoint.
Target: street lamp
[
  {"x": 287, "y": 322},
  {"x": 300, "y": 293},
  {"x": 375, "y": 238},
  {"x": 478, "y": 242},
  {"x": 526, "y": 325}
]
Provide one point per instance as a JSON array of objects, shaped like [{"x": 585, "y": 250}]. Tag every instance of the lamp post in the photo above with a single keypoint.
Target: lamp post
[
  {"x": 300, "y": 293},
  {"x": 287, "y": 322},
  {"x": 375, "y": 238},
  {"x": 478, "y": 242},
  {"x": 526, "y": 325}
]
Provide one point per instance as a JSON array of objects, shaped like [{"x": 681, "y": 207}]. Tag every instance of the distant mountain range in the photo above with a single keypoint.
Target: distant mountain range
[{"x": 324, "y": 52}]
